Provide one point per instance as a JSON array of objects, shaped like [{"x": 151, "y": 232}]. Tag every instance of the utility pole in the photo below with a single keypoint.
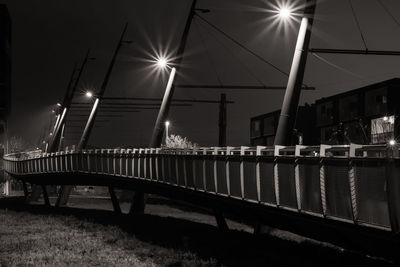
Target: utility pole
[
  {"x": 287, "y": 119},
  {"x": 222, "y": 121},
  {"x": 139, "y": 202},
  {"x": 159, "y": 127},
  {"x": 89, "y": 125},
  {"x": 66, "y": 190},
  {"x": 69, "y": 94}
]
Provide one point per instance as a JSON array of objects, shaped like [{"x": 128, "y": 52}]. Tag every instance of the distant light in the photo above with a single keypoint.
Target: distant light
[
  {"x": 167, "y": 123},
  {"x": 51, "y": 134},
  {"x": 58, "y": 104},
  {"x": 392, "y": 142},
  {"x": 385, "y": 118},
  {"x": 162, "y": 62},
  {"x": 89, "y": 94},
  {"x": 53, "y": 111},
  {"x": 285, "y": 13}
]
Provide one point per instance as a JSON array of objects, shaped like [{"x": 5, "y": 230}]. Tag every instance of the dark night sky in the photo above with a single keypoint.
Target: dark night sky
[{"x": 49, "y": 36}]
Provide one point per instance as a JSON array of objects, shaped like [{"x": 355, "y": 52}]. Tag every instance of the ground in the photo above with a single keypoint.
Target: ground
[{"x": 88, "y": 233}]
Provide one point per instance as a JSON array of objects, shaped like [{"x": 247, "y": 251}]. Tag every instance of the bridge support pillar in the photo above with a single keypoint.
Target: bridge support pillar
[
  {"x": 45, "y": 196},
  {"x": 63, "y": 195},
  {"x": 221, "y": 222},
  {"x": 138, "y": 203},
  {"x": 114, "y": 200},
  {"x": 26, "y": 192},
  {"x": 36, "y": 191}
]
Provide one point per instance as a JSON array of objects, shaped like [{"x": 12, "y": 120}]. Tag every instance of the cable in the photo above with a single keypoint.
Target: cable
[
  {"x": 207, "y": 52},
  {"x": 236, "y": 57},
  {"x": 336, "y": 66},
  {"x": 388, "y": 12},
  {"x": 358, "y": 24},
  {"x": 241, "y": 45}
]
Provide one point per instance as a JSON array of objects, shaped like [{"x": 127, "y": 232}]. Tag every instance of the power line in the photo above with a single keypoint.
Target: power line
[
  {"x": 241, "y": 45},
  {"x": 388, "y": 12},
  {"x": 237, "y": 58},
  {"x": 358, "y": 24}
]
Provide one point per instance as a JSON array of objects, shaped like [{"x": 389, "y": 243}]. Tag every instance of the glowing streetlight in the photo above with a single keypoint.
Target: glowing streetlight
[
  {"x": 89, "y": 94},
  {"x": 285, "y": 13},
  {"x": 392, "y": 142},
  {"x": 166, "y": 130},
  {"x": 162, "y": 62},
  {"x": 58, "y": 105}
]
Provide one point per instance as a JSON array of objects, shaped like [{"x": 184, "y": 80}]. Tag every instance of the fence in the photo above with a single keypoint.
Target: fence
[{"x": 354, "y": 184}]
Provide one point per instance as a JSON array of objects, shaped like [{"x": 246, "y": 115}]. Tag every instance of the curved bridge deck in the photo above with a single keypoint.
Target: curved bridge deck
[{"x": 326, "y": 192}]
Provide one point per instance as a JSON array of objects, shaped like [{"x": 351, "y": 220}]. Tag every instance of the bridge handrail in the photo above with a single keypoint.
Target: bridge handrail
[{"x": 328, "y": 181}]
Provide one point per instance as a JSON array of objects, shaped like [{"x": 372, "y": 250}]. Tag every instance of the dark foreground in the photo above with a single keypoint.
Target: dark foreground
[{"x": 33, "y": 235}]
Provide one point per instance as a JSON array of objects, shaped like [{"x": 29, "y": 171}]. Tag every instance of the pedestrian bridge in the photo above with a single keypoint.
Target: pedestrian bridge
[{"x": 320, "y": 190}]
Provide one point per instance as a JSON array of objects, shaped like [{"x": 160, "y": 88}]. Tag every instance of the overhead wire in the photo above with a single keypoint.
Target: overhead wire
[
  {"x": 336, "y": 66},
  {"x": 241, "y": 45},
  {"x": 235, "y": 56},
  {"x": 212, "y": 62},
  {"x": 389, "y": 13},
  {"x": 358, "y": 24}
]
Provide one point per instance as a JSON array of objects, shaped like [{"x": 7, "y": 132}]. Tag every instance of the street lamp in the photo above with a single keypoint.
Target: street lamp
[
  {"x": 285, "y": 13},
  {"x": 166, "y": 130},
  {"x": 392, "y": 142},
  {"x": 162, "y": 62},
  {"x": 89, "y": 94}
]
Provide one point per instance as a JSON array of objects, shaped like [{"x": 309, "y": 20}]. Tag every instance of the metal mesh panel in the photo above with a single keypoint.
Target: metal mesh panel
[
  {"x": 250, "y": 184},
  {"x": 116, "y": 160},
  {"x": 135, "y": 162},
  {"x": 142, "y": 160},
  {"x": 234, "y": 178},
  {"x": 198, "y": 165},
  {"x": 111, "y": 163},
  {"x": 221, "y": 177},
  {"x": 189, "y": 171},
  {"x": 371, "y": 192},
  {"x": 267, "y": 185},
  {"x": 167, "y": 169},
  {"x": 160, "y": 166},
  {"x": 92, "y": 162},
  {"x": 310, "y": 189},
  {"x": 209, "y": 165},
  {"x": 337, "y": 186},
  {"x": 153, "y": 167},
  {"x": 287, "y": 185},
  {"x": 173, "y": 174},
  {"x": 181, "y": 174}
]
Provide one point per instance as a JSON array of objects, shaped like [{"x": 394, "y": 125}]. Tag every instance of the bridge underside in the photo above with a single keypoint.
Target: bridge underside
[{"x": 351, "y": 236}]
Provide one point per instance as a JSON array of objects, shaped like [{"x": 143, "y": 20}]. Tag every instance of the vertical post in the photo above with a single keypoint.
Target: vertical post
[
  {"x": 89, "y": 125},
  {"x": 158, "y": 131},
  {"x": 139, "y": 202},
  {"x": 290, "y": 104},
  {"x": 222, "y": 121}
]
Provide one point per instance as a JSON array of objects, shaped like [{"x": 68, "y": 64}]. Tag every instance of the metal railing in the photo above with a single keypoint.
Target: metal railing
[{"x": 354, "y": 183}]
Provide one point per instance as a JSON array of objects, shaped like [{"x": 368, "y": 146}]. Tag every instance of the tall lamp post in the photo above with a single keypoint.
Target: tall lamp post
[
  {"x": 166, "y": 131},
  {"x": 287, "y": 119}
]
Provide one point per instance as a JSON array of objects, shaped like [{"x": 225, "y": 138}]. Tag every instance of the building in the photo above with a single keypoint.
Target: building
[
  {"x": 367, "y": 115},
  {"x": 5, "y": 83},
  {"x": 263, "y": 127}
]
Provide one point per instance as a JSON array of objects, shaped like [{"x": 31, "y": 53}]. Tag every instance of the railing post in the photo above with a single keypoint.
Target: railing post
[
  {"x": 297, "y": 154},
  {"x": 258, "y": 178},
  {"x": 276, "y": 173},
  {"x": 228, "y": 180},
  {"x": 322, "y": 154},
  {"x": 352, "y": 182}
]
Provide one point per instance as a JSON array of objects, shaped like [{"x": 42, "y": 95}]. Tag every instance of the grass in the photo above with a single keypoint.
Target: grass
[{"x": 33, "y": 235}]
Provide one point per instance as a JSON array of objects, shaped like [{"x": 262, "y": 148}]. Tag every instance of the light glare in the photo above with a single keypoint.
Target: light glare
[
  {"x": 285, "y": 13},
  {"x": 89, "y": 94},
  {"x": 167, "y": 123},
  {"x": 161, "y": 62},
  {"x": 392, "y": 142}
]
